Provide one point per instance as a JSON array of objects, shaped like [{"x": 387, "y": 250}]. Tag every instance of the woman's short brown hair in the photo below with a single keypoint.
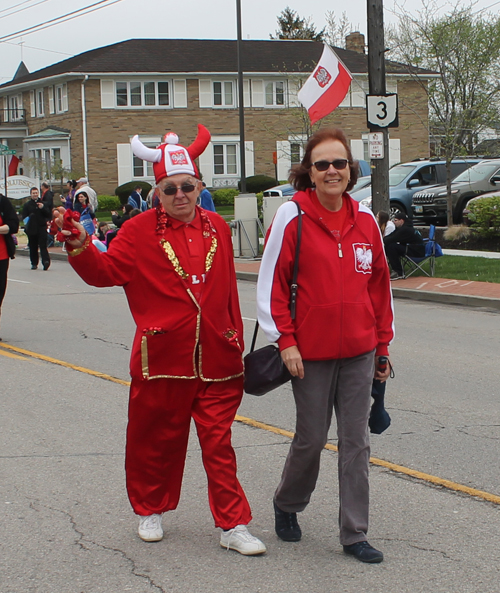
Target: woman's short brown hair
[{"x": 299, "y": 175}]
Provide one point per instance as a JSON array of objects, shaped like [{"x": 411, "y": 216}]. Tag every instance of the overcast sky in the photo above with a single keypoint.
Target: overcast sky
[{"x": 178, "y": 19}]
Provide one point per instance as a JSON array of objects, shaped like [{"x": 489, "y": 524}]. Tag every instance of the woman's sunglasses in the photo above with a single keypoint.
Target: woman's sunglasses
[
  {"x": 338, "y": 164},
  {"x": 171, "y": 190}
]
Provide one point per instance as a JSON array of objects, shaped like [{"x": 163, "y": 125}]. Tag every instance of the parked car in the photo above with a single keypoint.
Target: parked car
[
  {"x": 407, "y": 178},
  {"x": 279, "y": 190},
  {"x": 361, "y": 183},
  {"x": 430, "y": 205}
]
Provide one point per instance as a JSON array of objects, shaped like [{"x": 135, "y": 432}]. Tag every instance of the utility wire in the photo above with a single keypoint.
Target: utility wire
[
  {"x": 15, "y": 6},
  {"x": 21, "y": 9},
  {"x": 53, "y": 51},
  {"x": 60, "y": 19}
]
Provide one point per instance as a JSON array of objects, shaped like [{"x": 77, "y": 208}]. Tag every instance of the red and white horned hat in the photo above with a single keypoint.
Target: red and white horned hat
[{"x": 170, "y": 158}]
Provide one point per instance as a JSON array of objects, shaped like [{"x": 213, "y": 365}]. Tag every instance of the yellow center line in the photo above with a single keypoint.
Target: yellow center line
[
  {"x": 10, "y": 355},
  {"x": 400, "y": 469},
  {"x": 65, "y": 364}
]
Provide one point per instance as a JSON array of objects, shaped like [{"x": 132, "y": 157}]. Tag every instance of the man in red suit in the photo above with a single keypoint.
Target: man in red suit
[{"x": 175, "y": 263}]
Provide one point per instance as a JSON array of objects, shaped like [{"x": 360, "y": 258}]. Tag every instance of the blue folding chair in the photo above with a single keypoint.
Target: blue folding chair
[{"x": 412, "y": 264}]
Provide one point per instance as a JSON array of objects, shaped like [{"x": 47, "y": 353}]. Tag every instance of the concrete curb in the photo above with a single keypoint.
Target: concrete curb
[{"x": 446, "y": 298}]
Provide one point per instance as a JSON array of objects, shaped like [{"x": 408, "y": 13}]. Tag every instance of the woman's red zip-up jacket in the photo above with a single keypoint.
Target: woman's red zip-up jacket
[{"x": 344, "y": 299}]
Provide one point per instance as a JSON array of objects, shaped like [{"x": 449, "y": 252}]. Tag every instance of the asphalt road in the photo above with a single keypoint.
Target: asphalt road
[{"x": 65, "y": 521}]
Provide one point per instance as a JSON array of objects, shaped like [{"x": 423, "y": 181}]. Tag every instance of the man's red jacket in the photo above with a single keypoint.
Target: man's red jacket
[{"x": 176, "y": 336}]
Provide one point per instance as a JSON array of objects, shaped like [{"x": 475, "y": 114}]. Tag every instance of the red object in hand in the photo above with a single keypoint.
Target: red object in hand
[{"x": 68, "y": 218}]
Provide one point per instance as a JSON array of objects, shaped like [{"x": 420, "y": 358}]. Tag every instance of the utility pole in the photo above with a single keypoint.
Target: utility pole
[
  {"x": 241, "y": 107},
  {"x": 376, "y": 78}
]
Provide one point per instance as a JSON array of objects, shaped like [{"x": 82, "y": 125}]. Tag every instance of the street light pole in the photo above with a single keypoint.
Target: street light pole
[{"x": 243, "y": 185}]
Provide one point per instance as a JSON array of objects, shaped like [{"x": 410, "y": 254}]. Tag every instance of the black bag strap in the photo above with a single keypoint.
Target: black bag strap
[{"x": 293, "y": 286}]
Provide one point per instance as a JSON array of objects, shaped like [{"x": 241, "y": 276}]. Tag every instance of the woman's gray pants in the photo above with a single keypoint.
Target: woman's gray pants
[{"x": 343, "y": 385}]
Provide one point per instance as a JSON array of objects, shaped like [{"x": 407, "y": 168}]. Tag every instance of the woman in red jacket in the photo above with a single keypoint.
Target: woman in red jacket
[{"x": 343, "y": 323}]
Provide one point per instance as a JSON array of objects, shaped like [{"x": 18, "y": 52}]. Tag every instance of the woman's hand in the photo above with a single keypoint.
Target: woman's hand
[
  {"x": 382, "y": 376},
  {"x": 293, "y": 361}
]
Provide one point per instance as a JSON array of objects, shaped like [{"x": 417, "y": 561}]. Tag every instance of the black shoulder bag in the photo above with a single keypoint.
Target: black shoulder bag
[{"x": 264, "y": 368}]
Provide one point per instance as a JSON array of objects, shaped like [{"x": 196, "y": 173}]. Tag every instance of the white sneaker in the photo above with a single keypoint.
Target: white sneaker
[
  {"x": 150, "y": 529},
  {"x": 241, "y": 540}
]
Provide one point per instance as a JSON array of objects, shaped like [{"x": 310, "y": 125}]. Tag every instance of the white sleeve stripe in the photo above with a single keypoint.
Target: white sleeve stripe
[{"x": 285, "y": 214}]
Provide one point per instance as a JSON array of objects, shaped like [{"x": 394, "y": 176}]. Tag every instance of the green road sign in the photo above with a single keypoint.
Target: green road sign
[{"x": 4, "y": 150}]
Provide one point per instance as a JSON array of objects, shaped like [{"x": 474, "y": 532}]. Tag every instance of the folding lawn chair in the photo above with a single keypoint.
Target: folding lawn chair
[{"x": 412, "y": 264}]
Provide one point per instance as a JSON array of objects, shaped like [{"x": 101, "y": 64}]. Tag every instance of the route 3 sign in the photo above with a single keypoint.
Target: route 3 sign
[{"x": 382, "y": 111}]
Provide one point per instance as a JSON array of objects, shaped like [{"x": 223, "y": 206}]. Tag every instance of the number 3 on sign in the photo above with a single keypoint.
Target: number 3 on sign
[{"x": 382, "y": 110}]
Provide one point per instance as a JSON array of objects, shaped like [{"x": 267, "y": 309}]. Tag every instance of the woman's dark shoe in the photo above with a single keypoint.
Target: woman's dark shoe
[
  {"x": 364, "y": 552},
  {"x": 286, "y": 525}
]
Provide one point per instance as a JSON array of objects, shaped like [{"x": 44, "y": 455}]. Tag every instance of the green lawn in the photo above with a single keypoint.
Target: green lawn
[{"x": 459, "y": 267}]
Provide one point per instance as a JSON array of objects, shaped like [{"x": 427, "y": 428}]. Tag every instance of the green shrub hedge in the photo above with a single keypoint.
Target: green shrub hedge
[
  {"x": 108, "y": 203},
  {"x": 124, "y": 191},
  {"x": 484, "y": 216},
  {"x": 224, "y": 197},
  {"x": 258, "y": 183}
]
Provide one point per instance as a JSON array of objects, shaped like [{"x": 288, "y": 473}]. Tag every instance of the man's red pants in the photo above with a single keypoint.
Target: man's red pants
[{"x": 160, "y": 413}]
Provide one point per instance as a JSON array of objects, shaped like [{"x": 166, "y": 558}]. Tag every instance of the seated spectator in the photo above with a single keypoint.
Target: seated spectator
[
  {"x": 385, "y": 223},
  {"x": 134, "y": 212},
  {"x": 405, "y": 240},
  {"x": 102, "y": 229},
  {"x": 119, "y": 220}
]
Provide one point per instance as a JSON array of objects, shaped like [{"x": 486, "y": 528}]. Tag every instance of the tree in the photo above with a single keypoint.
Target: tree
[
  {"x": 336, "y": 30},
  {"x": 292, "y": 26},
  {"x": 462, "y": 48}
]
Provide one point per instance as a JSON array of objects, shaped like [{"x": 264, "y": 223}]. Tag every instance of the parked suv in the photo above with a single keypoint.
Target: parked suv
[
  {"x": 407, "y": 178},
  {"x": 479, "y": 179}
]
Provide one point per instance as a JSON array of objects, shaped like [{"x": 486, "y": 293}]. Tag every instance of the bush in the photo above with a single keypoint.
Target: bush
[
  {"x": 108, "y": 203},
  {"x": 457, "y": 233},
  {"x": 259, "y": 183},
  {"x": 484, "y": 214},
  {"x": 224, "y": 197},
  {"x": 124, "y": 191}
]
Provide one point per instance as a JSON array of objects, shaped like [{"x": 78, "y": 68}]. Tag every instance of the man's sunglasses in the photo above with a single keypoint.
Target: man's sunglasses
[
  {"x": 338, "y": 164},
  {"x": 171, "y": 190}
]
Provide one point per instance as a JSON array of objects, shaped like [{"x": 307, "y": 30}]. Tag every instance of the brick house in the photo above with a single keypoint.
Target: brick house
[{"x": 83, "y": 111}]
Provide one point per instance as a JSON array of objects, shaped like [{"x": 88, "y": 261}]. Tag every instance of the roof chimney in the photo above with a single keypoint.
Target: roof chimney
[{"x": 355, "y": 42}]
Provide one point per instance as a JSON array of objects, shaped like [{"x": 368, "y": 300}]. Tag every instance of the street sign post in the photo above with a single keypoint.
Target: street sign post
[{"x": 5, "y": 151}]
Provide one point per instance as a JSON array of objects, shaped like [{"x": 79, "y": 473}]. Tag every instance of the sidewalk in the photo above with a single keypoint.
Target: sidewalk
[{"x": 438, "y": 290}]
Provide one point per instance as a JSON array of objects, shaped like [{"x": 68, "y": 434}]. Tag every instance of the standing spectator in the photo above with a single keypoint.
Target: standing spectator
[
  {"x": 404, "y": 240},
  {"x": 87, "y": 215},
  {"x": 136, "y": 201},
  {"x": 9, "y": 225},
  {"x": 67, "y": 201},
  {"x": 343, "y": 324},
  {"x": 47, "y": 195},
  {"x": 82, "y": 184},
  {"x": 38, "y": 214},
  {"x": 206, "y": 200},
  {"x": 176, "y": 266}
]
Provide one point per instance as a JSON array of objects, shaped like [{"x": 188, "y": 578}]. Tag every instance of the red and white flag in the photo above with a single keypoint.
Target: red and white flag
[{"x": 327, "y": 86}]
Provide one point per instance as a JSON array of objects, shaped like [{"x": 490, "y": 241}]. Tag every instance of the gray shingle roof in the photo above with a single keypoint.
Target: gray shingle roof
[{"x": 202, "y": 55}]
